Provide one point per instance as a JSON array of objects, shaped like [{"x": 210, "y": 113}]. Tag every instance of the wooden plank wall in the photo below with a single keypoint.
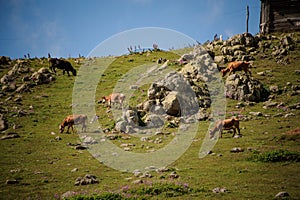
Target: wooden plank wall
[{"x": 279, "y": 15}]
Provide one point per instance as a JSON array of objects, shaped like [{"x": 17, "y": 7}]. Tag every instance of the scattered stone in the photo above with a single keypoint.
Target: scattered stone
[
  {"x": 80, "y": 147},
  {"x": 137, "y": 172},
  {"x": 9, "y": 136},
  {"x": 68, "y": 194},
  {"x": 257, "y": 114},
  {"x": 12, "y": 181},
  {"x": 238, "y": 136},
  {"x": 263, "y": 73},
  {"x": 162, "y": 169},
  {"x": 57, "y": 138},
  {"x": 87, "y": 179},
  {"x": 127, "y": 149},
  {"x": 236, "y": 150},
  {"x": 146, "y": 175},
  {"x": 89, "y": 140},
  {"x": 282, "y": 194},
  {"x": 289, "y": 115},
  {"x": 3, "y": 123},
  {"x": 74, "y": 170},
  {"x": 297, "y": 72},
  {"x": 269, "y": 104},
  {"x": 173, "y": 175},
  {"x": 219, "y": 190},
  {"x": 274, "y": 89},
  {"x": 138, "y": 181}
]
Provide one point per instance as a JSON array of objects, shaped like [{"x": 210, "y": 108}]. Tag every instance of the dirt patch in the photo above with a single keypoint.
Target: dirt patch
[{"x": 293, "y": 132}]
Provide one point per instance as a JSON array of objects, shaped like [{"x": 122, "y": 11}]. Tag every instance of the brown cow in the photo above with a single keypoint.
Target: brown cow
[
  {"x": 236, "y": 66},
  {"x": 73, "y": 120},
  {"x": 114, "y": 98},
  {"x": 226, "y": 124}
]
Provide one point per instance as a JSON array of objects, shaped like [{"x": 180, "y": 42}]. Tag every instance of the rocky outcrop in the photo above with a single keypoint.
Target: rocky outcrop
[
  {"x": 42, "y": 76},
  {"x": 244, "y": 88}
]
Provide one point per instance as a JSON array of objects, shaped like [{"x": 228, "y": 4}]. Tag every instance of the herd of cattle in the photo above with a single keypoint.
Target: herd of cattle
[{"x": 118, "y": 98}]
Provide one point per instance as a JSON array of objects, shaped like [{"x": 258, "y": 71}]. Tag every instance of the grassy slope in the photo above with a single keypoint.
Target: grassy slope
[{"x": 43, "y": 165}]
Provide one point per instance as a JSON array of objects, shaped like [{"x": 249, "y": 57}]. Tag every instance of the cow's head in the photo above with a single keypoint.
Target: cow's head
[{"x": 74, "y": 72}]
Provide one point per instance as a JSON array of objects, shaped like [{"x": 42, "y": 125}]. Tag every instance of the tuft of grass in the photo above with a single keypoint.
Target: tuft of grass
[{"x": 275, "y": 156}]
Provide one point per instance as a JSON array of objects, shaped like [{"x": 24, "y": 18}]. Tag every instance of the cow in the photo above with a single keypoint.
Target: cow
[
  {"x": 73, "y": 120},
  {"x": 61, "y": 64},
  {"x": 114, "y": 98},
  {"x": 226, "y": 124},
  {"x": 236, "y": 66}
]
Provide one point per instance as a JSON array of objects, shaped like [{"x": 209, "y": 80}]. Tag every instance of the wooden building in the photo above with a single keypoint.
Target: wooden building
[{"x": 279, "y": 16}]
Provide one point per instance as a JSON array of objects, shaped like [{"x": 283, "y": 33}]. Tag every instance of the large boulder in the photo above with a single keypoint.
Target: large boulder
[
  {"x": 163, "y": 91},
  {"x": 244, "y": 88},
  {"x": 171, "y": 104}
]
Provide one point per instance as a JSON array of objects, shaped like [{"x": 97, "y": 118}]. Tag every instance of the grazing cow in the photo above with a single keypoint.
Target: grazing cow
[
  {"x": 73, "y": 120},
  {"x": 61, "y": 64},
  {"x": 226, "y": 124},
  {"x": 236, "y": 66},
  {"x": 114, "y": 98}
]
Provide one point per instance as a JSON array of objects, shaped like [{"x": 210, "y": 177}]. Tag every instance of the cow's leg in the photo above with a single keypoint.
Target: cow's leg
[
  {"x": 69, "y": 128},
  {"x": 234, "y": 132},
  {"x": 238, "y": 129},
  {"x": 68, "y": 73},
  {"x": 220, "y": 133}
]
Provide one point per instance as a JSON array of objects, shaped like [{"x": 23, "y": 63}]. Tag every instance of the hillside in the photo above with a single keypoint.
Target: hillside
[{"x": 39, "y": 162}]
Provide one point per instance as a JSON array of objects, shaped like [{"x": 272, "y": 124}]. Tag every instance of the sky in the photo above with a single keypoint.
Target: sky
[{"x": 67, "y": 28}]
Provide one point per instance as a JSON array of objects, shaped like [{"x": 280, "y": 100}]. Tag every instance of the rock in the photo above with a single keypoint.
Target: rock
[
  {"x": 269, "y": 104},
  {"x": 87, "y": 179},
  {"x": 3, "y": 123},
  {"x": 80, "y": 147},
  {"x": 263, "y": 73},
  {"x": 153, "y": 120},
  {"x": 244, "y": 88},
  {"x": 42, "y": 76},
  {"x": 219, "y": 190},
  {"x": 274, "y": 89},
  {"x": 282, "y": 194},
  {"x": 236, "y": 150},
  {"x": 11, "y": 181},
  {"x": 289, "y": 115},
  {"x": 162, "y": 169},
  {"x": 257, "y": 114},
  {"x": 171, "y": 104},
  {"x": 68, "y": 194},
  {"x": 219, "y": 59},
  {"x": 121, "y": 126},
  {"x": 297, "y": 72},
  {"x": 173, "y": 175},
  {"x": 137, "y": 172},
  {"x": 57, "y": 138},
  {"x": 23, "y": 88},
  {"x": 74, "y": 170},
  {"x": 138, "y": 181},
  {"x": 9, "y": 136},
  {"x": 89, "y": 140}
]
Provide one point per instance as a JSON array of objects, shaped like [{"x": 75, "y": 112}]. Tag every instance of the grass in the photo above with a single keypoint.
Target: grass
[{"x": 43, "y": 165}]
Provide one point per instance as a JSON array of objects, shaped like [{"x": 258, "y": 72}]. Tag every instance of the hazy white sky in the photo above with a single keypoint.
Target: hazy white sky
[{"x": 72, "y": 27}]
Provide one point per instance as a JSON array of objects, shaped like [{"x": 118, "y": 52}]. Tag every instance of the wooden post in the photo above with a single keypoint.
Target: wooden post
[{"x": 247, "y": 18}]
